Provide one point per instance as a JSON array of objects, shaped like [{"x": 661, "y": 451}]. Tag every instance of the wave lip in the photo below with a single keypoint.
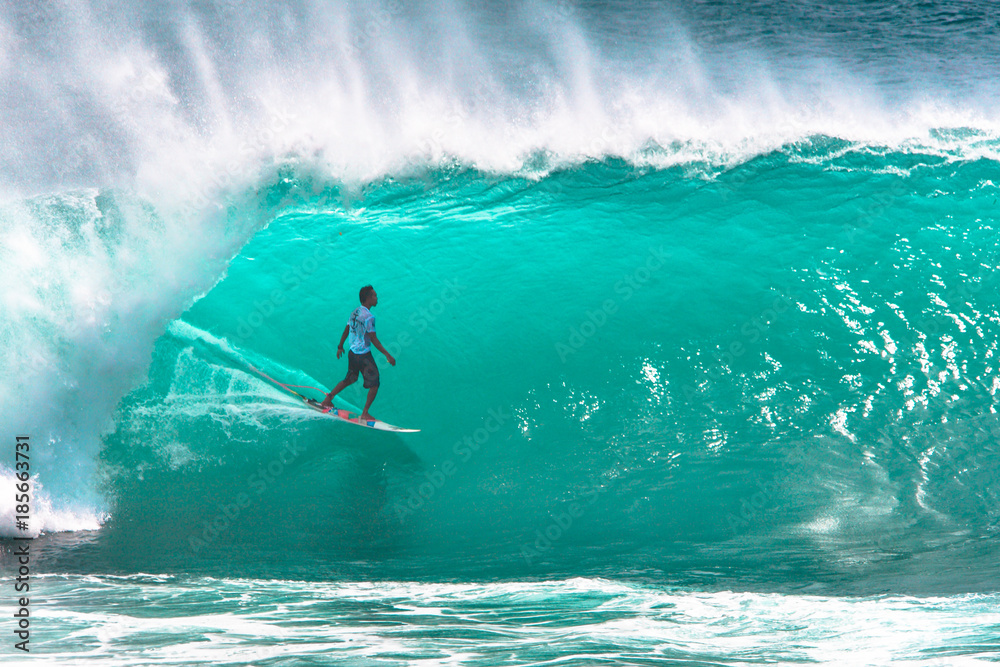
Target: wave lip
[
  {"x": 170, "y": 102},
  {"x": 91, "y": 279}
]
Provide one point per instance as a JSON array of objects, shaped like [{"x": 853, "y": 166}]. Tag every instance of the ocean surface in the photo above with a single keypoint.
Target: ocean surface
[{"x": 695, "y": 305}]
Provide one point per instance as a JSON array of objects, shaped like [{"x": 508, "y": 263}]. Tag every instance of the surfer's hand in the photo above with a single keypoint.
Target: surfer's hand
[
  {"x": 340, "y": 352},
  {"x": 392, "y": 359}
]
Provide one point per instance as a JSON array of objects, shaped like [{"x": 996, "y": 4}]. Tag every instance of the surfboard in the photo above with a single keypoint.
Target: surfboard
[
  {"x": 336, "y": 413},
  {"x": 352, "y": 418}
]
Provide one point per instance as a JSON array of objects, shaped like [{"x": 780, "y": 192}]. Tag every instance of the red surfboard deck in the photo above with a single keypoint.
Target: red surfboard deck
[{"x": 351, "y": 418}]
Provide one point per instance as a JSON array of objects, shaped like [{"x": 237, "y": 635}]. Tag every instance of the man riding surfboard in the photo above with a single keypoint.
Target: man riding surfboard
[{"x": 361, "y": 328}]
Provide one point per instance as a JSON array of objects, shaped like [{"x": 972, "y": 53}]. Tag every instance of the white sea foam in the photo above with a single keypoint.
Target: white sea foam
[
  {"x": 182, "y": 103},
  {"x": 42, "y": 516},
  {"x": 589, "y": 620}
]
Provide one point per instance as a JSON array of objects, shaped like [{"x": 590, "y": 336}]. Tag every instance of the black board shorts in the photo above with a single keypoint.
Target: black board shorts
[{"x": 363, "y": 364}]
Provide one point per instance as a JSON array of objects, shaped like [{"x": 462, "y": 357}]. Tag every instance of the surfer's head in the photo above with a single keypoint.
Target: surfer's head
[{"x": 368, "y": 296}]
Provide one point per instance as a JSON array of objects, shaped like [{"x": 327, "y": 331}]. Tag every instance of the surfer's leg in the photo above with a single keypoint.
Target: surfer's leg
[
  {"x": 368, "y": 403},
  {"x": 328, "y": 401},
  {"x": 370, "y": 372},
  {"x": 353, "y": 368}
]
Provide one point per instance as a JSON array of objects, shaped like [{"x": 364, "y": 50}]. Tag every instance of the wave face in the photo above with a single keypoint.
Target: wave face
[
  {"x": 615, "y": 368},
  {"x": 704, "y": 292}
]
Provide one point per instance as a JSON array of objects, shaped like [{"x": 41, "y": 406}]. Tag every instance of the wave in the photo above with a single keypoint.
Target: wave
[
  {"x": 748, "y": 257},
  {"x": 179, "y": 102},
  {"x": 833, "y": 407}
]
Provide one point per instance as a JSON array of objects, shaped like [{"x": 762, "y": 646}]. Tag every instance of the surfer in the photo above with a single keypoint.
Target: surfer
[{"x": 361, "y": 327}]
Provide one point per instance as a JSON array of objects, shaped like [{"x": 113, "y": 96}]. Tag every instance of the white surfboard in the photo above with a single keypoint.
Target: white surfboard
[
  {"x": 336, "y": 413},
  {"x": 352, "y": 418}
]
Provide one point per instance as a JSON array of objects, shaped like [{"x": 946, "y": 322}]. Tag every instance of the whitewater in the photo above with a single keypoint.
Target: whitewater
[{"x": 694, "y": 304}]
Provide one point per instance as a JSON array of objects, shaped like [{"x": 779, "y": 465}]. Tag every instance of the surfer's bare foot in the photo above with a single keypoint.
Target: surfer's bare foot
[
  {"x": 327, "y": 403},
  {"x": 365, "y": 417}
]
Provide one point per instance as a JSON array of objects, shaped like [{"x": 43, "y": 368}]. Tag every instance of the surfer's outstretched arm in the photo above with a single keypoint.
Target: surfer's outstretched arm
[{"x": 378, "y": 346}]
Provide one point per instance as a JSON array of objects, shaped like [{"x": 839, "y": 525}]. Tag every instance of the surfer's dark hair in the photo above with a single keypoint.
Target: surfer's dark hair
[{"x": 365, "y": 292}]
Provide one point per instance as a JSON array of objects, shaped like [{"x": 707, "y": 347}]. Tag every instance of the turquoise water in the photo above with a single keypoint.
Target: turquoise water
[
  {"x": 705, "y": 373},
  {"x": 665, "y": 356}
]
